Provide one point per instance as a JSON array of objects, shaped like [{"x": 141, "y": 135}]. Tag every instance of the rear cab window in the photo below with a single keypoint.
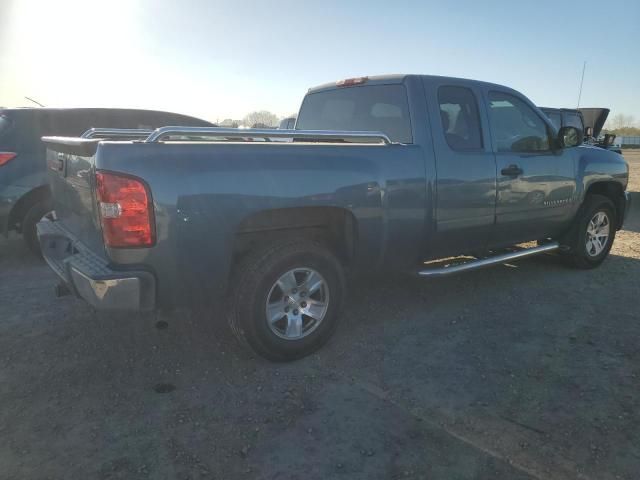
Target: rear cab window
[{"x": 377, "y": 108}]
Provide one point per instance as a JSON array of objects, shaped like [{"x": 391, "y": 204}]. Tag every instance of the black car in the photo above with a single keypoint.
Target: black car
[{"x": 24, "y": 193}]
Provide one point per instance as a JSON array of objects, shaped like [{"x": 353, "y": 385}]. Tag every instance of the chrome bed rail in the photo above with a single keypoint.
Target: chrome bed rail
[
  {"x": 240, "y": 134},
  {"x": 114, "y": 133}
]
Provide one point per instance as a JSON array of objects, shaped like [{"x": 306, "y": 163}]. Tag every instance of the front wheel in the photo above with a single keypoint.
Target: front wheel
[
  {"x": 286, "y": 299},
  {"x": 593, "y": 233}
]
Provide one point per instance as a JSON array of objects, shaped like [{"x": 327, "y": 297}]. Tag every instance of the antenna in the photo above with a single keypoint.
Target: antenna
[
  {"x": 584, "y": 67},
  {"x": 34, "y": 101}
]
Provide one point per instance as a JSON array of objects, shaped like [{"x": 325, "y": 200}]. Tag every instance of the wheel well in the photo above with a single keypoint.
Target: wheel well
[
  {"x": 22, "y": 206},
  {"x": 614, "y": 192},
  {"x": 334, "y": 227}
]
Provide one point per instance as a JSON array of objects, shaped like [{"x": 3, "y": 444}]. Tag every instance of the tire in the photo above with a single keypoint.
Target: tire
[
  {"x": 260, "y": 281},
  {"x": 588, "y": 254},
  {"x": 32, "y": 217}
]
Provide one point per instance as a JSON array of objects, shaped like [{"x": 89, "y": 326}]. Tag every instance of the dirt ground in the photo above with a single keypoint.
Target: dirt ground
[{"x": 522, "y": 372}]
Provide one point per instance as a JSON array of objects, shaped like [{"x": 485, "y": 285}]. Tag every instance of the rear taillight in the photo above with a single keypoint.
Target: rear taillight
[
  {"x": 5, "y": 157},
  {"x": 125, "y": 210}
]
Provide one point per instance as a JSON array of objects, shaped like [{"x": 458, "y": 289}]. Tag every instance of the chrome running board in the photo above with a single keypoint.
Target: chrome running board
[{"x": 486, "y": 262}]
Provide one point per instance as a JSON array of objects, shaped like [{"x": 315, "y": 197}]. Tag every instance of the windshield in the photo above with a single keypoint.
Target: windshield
[{"x": 374, "y": 108}]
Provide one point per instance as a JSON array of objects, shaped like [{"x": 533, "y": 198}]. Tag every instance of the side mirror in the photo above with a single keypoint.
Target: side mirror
[
  {"x": 569, "y": 137},
  {"x": 588, "y": 132}
]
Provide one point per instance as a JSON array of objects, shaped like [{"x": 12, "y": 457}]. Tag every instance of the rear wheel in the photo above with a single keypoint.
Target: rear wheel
[
  {"x": 286, "y": 299},
  {"x": 32, "y": 217},
  {"x": 593, "y": 233}
]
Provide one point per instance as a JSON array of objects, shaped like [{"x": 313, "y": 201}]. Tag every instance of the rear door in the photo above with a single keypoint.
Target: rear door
[
  {"x": 465, "y": 165},
  {"x": 536, "y": 185}
]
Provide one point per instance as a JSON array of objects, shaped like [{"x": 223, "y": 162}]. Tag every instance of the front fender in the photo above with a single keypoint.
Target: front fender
[{"x": 596, "y": 165}]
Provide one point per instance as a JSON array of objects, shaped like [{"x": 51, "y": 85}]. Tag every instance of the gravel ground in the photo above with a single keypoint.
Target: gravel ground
[{"x": 522, "y": 372}]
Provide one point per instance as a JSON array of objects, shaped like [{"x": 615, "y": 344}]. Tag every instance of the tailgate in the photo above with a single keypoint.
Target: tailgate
[{"x": 71, "y": 171}]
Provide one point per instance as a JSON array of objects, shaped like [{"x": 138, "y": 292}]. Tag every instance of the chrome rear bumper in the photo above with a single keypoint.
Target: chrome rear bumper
[{"x": 90, "y": 277}]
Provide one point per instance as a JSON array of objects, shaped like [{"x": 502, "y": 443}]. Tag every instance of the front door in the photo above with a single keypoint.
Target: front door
[{"x": 536, "y": 184}]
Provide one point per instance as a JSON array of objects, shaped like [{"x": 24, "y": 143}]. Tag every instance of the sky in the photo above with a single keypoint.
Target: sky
[{"x": 219, "y": 59}]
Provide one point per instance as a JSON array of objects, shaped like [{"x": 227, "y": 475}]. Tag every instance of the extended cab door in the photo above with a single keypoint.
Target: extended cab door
[
  {"x": 536, "y": 184},
  {"x": 465, "y": 165}
]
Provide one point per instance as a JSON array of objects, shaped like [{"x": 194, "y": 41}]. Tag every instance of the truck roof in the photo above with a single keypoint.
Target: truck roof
[{"x": 400, "y": 78}]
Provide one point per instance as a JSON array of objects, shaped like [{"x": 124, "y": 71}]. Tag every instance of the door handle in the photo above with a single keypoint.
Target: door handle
[{"x": 511, "y": 171}]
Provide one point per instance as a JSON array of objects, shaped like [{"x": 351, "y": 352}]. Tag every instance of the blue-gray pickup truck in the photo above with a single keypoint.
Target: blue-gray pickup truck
[{"x": 381, "y": 173}]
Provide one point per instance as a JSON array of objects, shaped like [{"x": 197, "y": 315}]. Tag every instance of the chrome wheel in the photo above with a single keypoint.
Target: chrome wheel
[
  {"x": 297, "y": 303},
  {"x": 598, "y": 231}
]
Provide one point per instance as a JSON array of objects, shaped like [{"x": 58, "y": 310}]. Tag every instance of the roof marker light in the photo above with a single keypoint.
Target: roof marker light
[{"x": 349, "y": 82}]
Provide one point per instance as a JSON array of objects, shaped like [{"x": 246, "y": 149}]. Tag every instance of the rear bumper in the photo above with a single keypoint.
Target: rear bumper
[{"x": 89, "y": 276}]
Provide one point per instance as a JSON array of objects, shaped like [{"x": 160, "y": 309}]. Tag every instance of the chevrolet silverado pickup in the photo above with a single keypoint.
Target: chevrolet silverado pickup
[{"x": 381, "y": 174}]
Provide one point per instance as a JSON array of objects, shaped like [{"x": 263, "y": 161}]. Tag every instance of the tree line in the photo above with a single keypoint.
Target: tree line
[
  {"x": 621, "y": 124},
  {"x": 257, "y": 119}
]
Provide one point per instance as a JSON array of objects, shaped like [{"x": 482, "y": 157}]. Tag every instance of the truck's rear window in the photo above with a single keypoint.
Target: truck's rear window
[{"x": 378, "y": 108}]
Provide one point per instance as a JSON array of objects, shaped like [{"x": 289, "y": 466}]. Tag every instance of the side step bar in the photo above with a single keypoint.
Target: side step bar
[{"x": 486, "y": 262}]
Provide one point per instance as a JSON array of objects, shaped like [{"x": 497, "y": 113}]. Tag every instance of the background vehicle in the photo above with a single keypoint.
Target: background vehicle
[
  {"x": 24, "y": 193},
  {"x": 595, "y": 118},
  {"x": 588, "y": 120},
  {"x": 287, "y": 123},
  {"x": 565, "y": 117},
  {"x": 384, "y": 173}
]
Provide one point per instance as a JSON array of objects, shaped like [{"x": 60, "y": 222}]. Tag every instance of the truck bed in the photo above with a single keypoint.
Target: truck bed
[{"x": 206, "y": 193}]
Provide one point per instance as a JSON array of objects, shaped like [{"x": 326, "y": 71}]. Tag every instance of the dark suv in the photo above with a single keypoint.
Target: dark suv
[{"x": 24, "y": 194}]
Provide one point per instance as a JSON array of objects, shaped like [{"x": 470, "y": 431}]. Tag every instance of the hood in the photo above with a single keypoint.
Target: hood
[{"x": 595, "y": 118}]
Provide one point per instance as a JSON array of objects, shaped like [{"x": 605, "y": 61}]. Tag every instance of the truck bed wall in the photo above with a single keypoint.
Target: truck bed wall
[{"x": 203, "y": 192}]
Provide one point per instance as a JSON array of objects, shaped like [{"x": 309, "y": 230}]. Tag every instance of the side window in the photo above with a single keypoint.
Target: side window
[
  {"x": 460, "y": 118},
  {"x": 515, "y": 125}
]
